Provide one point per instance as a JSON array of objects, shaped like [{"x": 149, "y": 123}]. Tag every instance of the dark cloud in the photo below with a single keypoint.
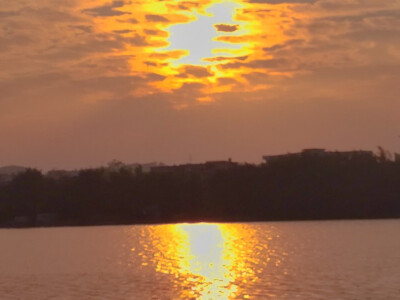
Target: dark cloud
[
  {"x": 257, "y": 11},
  {"x": 256, "y": 64},
  {"x": 91, "y": 44},
  {"x": 256, "y": 77},
  {"x": 282, "y": 1},
  {"x": 5, "y": 14},
  {"x": 123, "y": 31},
  {"x": 347, "y": 38},
  {"x": 132, "y": 21},
  {"x": 156, "y": 18},
  {"x": 360, "y": 16},
  {"x": 107, "y": 10},
  {"x": 188, "y": 5},
  {"x": 151, "y": 63},
  {"x": 137, "y": 40},
  {"x": 284, "y": 45},
  {"x": 225, "y": 58},
  {"x": 195, "y": 71},
  {"x": 84, "y": 28},
  {"x": 226, "y": 80},
  {"x": 226, "y": 27},
  {"x": 334, "y": 5},
  {"x": 50, "y": 14},
  {"x": 15, "y": 40},
  {"x": 156, "y": 32},
  {"x": 377, "y": 35},
  {"x": 183, "y": 5},
  {"x": 155, "y": 77},
  {"x": 175, "y": 54}
]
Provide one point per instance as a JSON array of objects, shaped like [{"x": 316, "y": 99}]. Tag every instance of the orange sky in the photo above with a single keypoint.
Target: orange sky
[{"x": 85, "y": 82}]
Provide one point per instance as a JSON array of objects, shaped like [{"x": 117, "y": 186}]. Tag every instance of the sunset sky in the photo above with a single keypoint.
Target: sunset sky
[{"x": 83, "y": 82}]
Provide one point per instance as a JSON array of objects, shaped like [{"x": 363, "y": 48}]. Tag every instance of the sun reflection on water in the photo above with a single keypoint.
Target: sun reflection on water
[
  {"x": 207, "y": 261},
  {"x": 205, "y": 257}
]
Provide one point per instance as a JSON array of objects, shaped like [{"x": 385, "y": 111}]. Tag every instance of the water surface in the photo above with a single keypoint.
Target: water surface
[{"x": 285, "y": 260}]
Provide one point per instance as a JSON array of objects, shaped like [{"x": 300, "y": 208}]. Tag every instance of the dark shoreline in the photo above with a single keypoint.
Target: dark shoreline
[
  {"x": 288, "y": 188},
  {"x": 211, "y": 221}
]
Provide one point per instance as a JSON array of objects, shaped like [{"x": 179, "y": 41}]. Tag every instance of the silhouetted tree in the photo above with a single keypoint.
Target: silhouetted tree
[{"x": 291, "y": 188}]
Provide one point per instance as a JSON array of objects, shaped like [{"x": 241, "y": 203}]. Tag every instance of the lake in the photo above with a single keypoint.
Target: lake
[{"x": 271, "y": 260}]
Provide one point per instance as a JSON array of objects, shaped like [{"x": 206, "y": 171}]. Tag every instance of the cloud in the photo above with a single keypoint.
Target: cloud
[
  {"x": 153, "y": 77},
  {"x": 107, "y": 10},
  {"x": 235, "y": 39},
  {"x": 132, "y": 21},
  {"x": 156, "y": 18},
  {"x": 174, "y": 54},
  {"x": 123, "y": 31},
  {"x": 186, "y": 5},
  {"x": 256, "y": 77},
  {"x": 156, "y": 32},
  {"x": 226, "y": 58},
  {"x": 256, "y": 64},
  {"x": 84, "y": 28},
  {"x": 356, "y": 5},
  {"x": 87, "y": 89},
  {"x": 360, "y": 16},
  {"x": 91, "y": 45},
  {"x": 195, "y": 71},
  {"x": 5, "y": 14},
  {"x": 283, "y": 1},
  {"x": 285, "y": 45},
  {"x": 136, "y": 40},
  {"x": 226, "y": 27},
  {"x": 227, "y": 81},
  {"x": 14, "y": 41}
]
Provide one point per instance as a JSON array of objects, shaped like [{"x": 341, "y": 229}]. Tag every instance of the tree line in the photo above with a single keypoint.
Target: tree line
[{"x": 292, "y": 188}]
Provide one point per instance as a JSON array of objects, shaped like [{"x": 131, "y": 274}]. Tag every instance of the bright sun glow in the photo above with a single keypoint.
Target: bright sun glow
[
  {"x": 199, "y": 38},
  {"x": 205, "y": 257},
  {"x": 202, "y": 255},
  {"x": 208, "y": 260},
  {"x": 199, "y": 48}
]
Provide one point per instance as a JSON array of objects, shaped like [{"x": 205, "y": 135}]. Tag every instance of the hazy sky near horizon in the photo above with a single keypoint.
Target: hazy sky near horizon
[{"x": 83, "y": 82}]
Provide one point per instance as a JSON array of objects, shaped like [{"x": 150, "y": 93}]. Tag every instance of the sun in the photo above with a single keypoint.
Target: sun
[
  {"x": 201, "y": 38},
  {"x": 196, "y": 44}
]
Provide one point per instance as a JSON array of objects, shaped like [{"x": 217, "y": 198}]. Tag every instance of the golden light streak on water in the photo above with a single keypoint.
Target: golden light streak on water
[
  {"x": 283, "y": 260},
  {"x": 205, "y": 259}
]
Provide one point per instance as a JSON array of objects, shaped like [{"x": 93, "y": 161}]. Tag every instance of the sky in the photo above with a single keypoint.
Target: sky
[{"x": 83, "y": 82}]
